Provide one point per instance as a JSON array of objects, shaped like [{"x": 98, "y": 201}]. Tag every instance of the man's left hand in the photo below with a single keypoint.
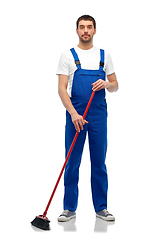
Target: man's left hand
[{"x": 100, "y": 84}]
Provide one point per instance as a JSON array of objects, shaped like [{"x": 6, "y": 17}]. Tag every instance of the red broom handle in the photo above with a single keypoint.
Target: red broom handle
[{"x": 68, "y": 155}]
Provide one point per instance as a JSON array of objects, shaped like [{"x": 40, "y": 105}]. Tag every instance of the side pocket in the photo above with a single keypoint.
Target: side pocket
[{"x": 103, "y": 107}]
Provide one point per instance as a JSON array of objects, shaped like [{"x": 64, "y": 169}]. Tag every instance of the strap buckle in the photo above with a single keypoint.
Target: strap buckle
[
  {"x": 101, "y": 64},
  {"x": 77, "y": 63}
]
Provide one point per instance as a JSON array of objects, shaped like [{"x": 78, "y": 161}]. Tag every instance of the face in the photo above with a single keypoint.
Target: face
[{"x": 86, "y": 31}]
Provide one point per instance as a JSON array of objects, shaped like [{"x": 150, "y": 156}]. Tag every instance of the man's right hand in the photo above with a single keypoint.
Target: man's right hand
[{"x": 78, "y": 121}]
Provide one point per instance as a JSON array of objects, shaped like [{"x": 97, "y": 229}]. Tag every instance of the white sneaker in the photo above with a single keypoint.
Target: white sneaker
[
  {"x": 66, "y": 216},
  {"x": 105, "y": 215}
]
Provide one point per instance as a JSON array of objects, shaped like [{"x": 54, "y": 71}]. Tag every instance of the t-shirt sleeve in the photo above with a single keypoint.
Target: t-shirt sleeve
[
  {"x": 63, "y": 67},
  {"x": 109, "y": 69}
]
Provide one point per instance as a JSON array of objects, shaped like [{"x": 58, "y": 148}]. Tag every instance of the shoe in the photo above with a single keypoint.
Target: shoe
[
  {"x": 66, "y": 216},
  {"x": 105, "y": 215}
]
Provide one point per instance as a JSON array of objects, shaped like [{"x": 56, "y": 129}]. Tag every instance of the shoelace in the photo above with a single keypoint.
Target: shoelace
[
  {"x": 106, "y": 211},
  {"x": 65, "y": 212}
]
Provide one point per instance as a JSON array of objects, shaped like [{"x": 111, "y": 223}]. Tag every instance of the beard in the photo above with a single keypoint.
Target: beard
[{"x": 86, "y": 39}]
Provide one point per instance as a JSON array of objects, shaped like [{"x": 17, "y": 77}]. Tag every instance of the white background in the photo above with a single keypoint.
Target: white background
[{"x": 32, "y": 118}]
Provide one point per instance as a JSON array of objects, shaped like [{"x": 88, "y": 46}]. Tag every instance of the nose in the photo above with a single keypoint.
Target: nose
[{"x": 86, "y": 29}]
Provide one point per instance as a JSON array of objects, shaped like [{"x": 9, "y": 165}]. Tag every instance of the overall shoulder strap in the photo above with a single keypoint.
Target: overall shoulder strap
[
  {"x": 101, "y": 65},
  {"x": 77, "y": 62}
]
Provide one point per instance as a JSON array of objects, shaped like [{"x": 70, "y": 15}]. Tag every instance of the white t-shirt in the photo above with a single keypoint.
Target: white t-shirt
[{"x": 89, "y": 60}]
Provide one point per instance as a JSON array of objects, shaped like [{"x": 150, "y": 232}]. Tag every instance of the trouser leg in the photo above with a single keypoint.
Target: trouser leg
[
  {"x": 71, "y": 176},
  {"x": 98, "y": 147}
]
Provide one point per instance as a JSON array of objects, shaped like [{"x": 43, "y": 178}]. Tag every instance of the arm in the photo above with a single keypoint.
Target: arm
[
  {"x": 111, "y": 85},
  {"x": 77, "y": 119},
  {"x": 62, "y": 91}
]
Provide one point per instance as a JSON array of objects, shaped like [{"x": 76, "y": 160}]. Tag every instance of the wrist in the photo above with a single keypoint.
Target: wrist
[
  {"x": 108, "y": 85},
  {"x": 73, "y": 112}
]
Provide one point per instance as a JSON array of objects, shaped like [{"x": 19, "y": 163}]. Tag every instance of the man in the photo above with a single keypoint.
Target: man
[{"x": 81, "y": 70}]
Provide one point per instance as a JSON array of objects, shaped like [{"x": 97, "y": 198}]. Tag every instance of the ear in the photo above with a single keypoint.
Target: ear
[
  {"x": 77, "y": 31},
  {"x": 94, "y": 31}
]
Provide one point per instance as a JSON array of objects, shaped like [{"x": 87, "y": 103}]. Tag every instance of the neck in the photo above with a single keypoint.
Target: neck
[{"x": 85, "y": 46}]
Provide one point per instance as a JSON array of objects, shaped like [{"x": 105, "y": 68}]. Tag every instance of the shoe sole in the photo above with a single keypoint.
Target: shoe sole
[
  {"x": 65, "y": 219},
  {"x": 109, "y": 218}
]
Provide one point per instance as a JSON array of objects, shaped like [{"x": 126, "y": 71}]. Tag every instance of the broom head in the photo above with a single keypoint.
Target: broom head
[{"x": 41, "y": 222}]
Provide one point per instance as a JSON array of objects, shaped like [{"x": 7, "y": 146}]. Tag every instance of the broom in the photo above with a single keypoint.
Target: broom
[{"x": 42, "y": 221}]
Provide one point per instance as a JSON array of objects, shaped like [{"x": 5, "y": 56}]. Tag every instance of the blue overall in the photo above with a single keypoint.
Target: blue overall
[{"x": 97, "y": 135}]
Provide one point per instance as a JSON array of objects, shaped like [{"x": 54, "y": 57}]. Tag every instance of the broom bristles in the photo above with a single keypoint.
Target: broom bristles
[{"x": 41, "y": 223}]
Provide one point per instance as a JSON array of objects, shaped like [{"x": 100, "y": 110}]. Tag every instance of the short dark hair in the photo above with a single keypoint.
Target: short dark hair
[{"x": 86, "y": 17}]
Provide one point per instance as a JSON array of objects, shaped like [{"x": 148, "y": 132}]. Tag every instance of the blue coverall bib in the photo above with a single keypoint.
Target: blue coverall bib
[{"x": 97, "y": 135}]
